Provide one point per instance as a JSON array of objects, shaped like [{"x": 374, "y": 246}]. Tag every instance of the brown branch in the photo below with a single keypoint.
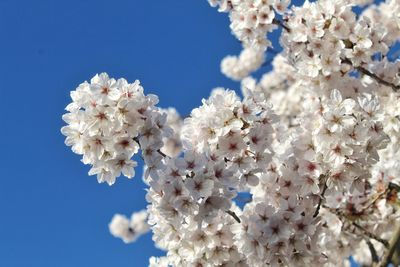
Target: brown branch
[
  {"x": 394, "y": 242},
  {"x": 281, "y": 24},
  {"x": 161, "y": 153},
  {"x": 374, "y": 255},
  {"x": 393, "y": 186},
  {"x": 233, "y": 214},
  {"x": 347, "y": 61},
  {"x": 321, "y": 197},
  {"x": 371, "y": 235},
  {"x": 364, "y": 231},
  {"x": 390, "y": 246},
  {"x": 374, "y": 200},
  {"x": 136, "y": 139},
  {"x": 372, "y": 75}
]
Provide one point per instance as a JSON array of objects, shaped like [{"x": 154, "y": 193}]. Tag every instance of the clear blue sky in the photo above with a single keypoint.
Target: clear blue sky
[{"x": 51, "y": 212}]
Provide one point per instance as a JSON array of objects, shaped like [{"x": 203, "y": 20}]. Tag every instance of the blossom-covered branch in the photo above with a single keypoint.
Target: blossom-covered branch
[
  {"x": 374, "y": 76},
  {"x": 313, "y": 143}
]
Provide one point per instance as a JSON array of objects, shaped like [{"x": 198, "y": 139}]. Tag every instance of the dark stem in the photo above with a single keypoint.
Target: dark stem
[
  {"x": 393, "y": 186},
  {"x": 321, "y": 197},
  {"x": 372, "y": 75},
  {"x": 281, "y": 24},
  {"x": 371, "y": 235},
  {"x": 374, "y": 255},
  {"x": 347, "y": 61},
  {"x": 364, "y": 231},
  {"x": 375, "y": 199},
  {"x": 387, "y": 257},
  {"x": 233, "y": 215},
  {"x": 161, "y": 153},
  {"x": 136, "y": 139}
]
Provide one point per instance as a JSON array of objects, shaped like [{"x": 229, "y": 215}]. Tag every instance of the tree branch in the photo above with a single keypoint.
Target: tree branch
[
  {"x": 372, "y": 75},
  {"x": 136, "y": 139},
  {"x": 161, "y": 153},
  {"x": 321, "y": 197},
  {"x": 364, "y": 231},
  {"x": 387, "y": 257},
  {"x": 374, "y": 255},
  {"x": 371, "y": 235},
  {"x": 347, "y": 61},
  {"x": 379, "y": 196},
  {"x": 281, "y": 24},
  {"x": 233, "y": 214}
]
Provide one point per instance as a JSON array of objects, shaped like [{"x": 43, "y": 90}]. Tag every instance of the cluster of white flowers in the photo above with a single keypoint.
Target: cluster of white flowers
[
  {"x": 386, "y": 16},
  {"x": 326, "y": 33},
  {"x": 240, "y": 67},
  {"x": 251, "y": 20},
  {"x": 226, "y": 142},
  {"x": 172, "y": 143},
  {"x": 106, "y": 120},
  {"x": 314, "y": 145},
  {"x": 129, "y": 230}
]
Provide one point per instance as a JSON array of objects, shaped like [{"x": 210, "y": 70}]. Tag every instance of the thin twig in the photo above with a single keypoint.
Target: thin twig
[
  {"x": 136, "y": 139},
  {"x": 374, "y": 255},
  {"x": 364, "y": 231},
  {"x": 321, "y": 198},
  {"x": 393, "y": 186},
  {"x": 387, "y": 257},
  {"x": 374, "y": 200},
  {"x": 372, "y": 75},
  {"x": 161, "y": 153},
  {"x": 347, "y": 61},
  {"x": 281, "y": 24},
  {"x": 233, "y": 214},
  {"x": 371, "y": 235}
]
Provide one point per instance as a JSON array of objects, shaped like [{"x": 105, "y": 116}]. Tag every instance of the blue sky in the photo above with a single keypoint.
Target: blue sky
[{"x": 52, "y": 212}]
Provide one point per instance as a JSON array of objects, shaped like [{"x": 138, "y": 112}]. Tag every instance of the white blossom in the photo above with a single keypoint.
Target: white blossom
[
  {"x": 313, "y": 145},
  {"x": 129, "y": 230}
]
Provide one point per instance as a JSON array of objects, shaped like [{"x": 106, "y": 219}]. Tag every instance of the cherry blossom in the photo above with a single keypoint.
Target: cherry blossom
[{"x": 314, "y": 143}]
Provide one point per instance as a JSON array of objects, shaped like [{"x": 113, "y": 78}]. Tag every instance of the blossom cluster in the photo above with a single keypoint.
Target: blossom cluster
[
  {"x": 302, "y": 170},
  {"x": 191, "y": 199},
  {"x": 324, "y": 34},
  {"x": 172, "y": 144},
  {"x": 386, "y": 16},
  {"x": 250, "y": 23},
  {"x": 105, "y": 121},
  {"x": 240, "y": 67},
  {"x": 129, "y": 229},
  {"x": 252, "y": 20}
]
